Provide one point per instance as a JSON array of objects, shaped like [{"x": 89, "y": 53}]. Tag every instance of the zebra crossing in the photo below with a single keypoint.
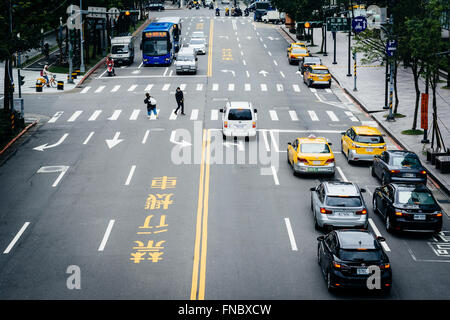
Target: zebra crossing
[
  {"x": 136, "y": 114},
  {"x": 166, "y": 87}
]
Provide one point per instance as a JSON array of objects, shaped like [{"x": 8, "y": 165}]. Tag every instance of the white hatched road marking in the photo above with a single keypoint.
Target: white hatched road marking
[
  {"x": 194, "y": 114},
  {"x": 148, "y": 87},
  {"x": 231, "y": 87},
  {"x": 106, "y": 236},
  {"x": 214, "y": 114},
  {"x": 248, "y": 87},
  {"x": 134, "y": 86},
  {"x": 115, "y": 88},
  {"x": 313, "y": 115},
  {"x": 279, "y": 87},
  {"x": 115, "y": 115},
  {"x": 293, "y": 115},
  {"x": 130, "y": 175},
  {"x": 144, "y": 140},
  {"x": 100, "y": 89},
  {"x": 74, "y": 116},
  {"x": 166, "y": 87},
  {"x": 86, "y": 89},
  {"x": 135, "y": 114},
  {"x": 263, "y": 87},
  {"x": 351, "y": 116},
  {"x": 88, "y": 137},
  {"x": 273, "y": 115},
  {"x": 332, "y": 116},
  {"x": 282, "y": 74},
  {"x": 215, "y": 87},
  {"x": 95, "y": 115},
  {"x": 296, "y": 87}
]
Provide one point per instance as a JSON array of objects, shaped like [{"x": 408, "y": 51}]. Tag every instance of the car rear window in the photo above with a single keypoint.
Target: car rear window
[
  {"x": 369, "y": 139},
  {"x": 360, "y": 255},
  {"x": 415, "y": 197},
  {"x": 336, "y": 201},
  {"x": 197, "y": 41},
  {"x": 320, "y": 71},
  {"x": 312, "y": 61},
  {"x": 298, "y": 50},
  {"x": 240, "y": 114},
  {"x": 314, "y": 148},
  {"x": 408, "y": 161}
]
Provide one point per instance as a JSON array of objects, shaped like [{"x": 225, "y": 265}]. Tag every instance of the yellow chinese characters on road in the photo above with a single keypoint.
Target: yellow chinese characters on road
[{"x": 362, "y": 143}]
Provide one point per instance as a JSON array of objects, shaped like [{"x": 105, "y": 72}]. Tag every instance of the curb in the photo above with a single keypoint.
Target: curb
[{"x": 18, "y": 136}]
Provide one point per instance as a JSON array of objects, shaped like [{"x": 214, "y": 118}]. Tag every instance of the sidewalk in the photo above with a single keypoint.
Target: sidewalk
[{"x": 370, "y": 95}]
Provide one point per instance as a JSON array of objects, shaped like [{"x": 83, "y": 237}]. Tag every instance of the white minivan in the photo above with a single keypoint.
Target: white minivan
[{"x": 238, "y": 120}]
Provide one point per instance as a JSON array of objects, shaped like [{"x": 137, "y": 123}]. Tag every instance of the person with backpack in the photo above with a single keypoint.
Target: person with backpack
[{"x": 151, "y": 105}]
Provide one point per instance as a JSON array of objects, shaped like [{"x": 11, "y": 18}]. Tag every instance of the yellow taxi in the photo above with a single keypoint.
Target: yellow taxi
[
  {"x": 317, "y": 74},
  {"x": 362, "y": 143},
  {"x": 311, "y": 155},
  {"x": 297, "y": 54},
  {"x": 294, "y": 45}
]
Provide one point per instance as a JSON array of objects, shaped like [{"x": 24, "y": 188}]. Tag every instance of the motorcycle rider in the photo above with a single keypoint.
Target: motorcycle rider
[
  {"x": 110, "y": 62},
  {"x": 217, "y": 11}
]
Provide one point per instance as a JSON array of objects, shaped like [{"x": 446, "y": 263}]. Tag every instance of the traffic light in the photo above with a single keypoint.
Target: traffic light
[
  {"x": 22, "y": 80},
  {"x": 127, "y": 13},
  {"x": 307, "y": 25}
]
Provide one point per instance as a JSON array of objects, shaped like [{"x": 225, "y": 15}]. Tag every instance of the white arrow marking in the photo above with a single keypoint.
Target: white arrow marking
[
  {"x": 114, "y": 141},
  {"x": 264, "y": 73},
  {"x": 46, "y": 146},
  {"x": 182, "y": 143},
  {"x": 234, "y": 74},
  {"x": 239, "y": 145}
]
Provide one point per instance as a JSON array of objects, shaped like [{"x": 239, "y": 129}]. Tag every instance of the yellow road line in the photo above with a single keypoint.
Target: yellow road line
[
  {"x": 211, "y": 32},
  {"x": 195, "y": 267}
]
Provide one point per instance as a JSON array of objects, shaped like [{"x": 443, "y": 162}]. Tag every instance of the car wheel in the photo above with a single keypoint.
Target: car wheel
[
  {"x": 388, "y": 224},
  {"x": 316, "y": 225},
  {"x": 385, "y": 180},
  {"x": 348, "y": 158},
  {"x": 372, "y": 172},
  {"x": 319, "y": 261},
  {"x": 329, "y": 286}
]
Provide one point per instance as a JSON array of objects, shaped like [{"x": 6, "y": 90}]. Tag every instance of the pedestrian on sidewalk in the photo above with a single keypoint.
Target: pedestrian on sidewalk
[
  {"x": 151, "y": 105},
  {"x": 180, "y": 100}
]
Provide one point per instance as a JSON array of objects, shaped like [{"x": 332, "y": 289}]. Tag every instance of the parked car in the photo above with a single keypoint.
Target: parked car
[
  {"x": 238, "y": 120},
  {"x": 297, "y": 54},
  {"x": 408, "y": 207},
  {"x": 398, "y": 166},
  {"x": 346, "y": 256},
  {"x": 317, "y": 75},
  {"x": 308, "y": 61},
  {"x": 338, "y": 204},
  {"x": 362, "y": 143}
]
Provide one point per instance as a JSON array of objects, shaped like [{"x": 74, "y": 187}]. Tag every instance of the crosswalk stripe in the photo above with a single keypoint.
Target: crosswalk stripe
[
  {"x": 293, "y": 115},
  {"x": 148, "y": 87},
  {"x": 199, "y": 86},
  {"x": 115, "y": 115},
  {"x": 332, "y": 116},
  {"x": 115, "y": 88},
  {"x": 248, "y": 87},
  {"x": 328, "y": 90},
  {"x": 100, "y": 89},
  {"x": 279, "y": 87},
  {"x": 183, "y": 86},
  {"x": 135, "y": 114},
  {"x": 296, "y": 87},
  {"x": 55, "y": 116},
  {"x": 74, "y": 116},
  {"x": 313, "y": 115},
  {"x": 214, "y": 114},
  {"x": 231, "y": 87},
  {"x": 263, "y": 87},
  {"x": 215, "y": 87},
  {"x": 86, "y": 89},
  {"x": 273, "y": 115},
  {"x": 132, "y": 87},
  {"x": 95, "y": 115},
  {"x": 194, "y": 114},
  {"x": 173, "y": 116},
  {"x": 166, "y": 87},
  {"x": 351, "y": 116}
]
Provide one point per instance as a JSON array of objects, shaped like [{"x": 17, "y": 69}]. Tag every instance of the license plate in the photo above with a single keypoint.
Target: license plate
[
  {"x": 369, "y": 149},
  {"x": 343, "y": 214},
  {"x": 312, "y": 170},
  {"x": 317, "y": 162},
  {"x": 362, "y": 271},
  {"x": 409, "y": 175},
  {"x": 419, "y": 217}
]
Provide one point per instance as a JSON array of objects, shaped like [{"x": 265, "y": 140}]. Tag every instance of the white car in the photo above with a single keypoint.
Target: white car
[
  {"x": 199, "y": 45},
  {"x": 186, "y": 61},
  {"x": 198, "y": 34},
  {"x": 238, "y": 120},
  {"x": 225, "y": 1}
]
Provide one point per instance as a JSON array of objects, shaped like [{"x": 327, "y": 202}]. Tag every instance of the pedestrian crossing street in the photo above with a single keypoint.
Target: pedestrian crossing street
[
  {"x": 165, "y": 87},
  {"x": 213, "y": 115}
]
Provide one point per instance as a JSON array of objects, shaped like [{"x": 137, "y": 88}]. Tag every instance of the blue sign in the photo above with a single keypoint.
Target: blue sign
[
  {"x": 359, "y": 24},
  {"x": 391, "y": 47}
]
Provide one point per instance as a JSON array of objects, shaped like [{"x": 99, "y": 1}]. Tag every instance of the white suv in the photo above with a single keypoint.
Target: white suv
[{"x": 238, "y": 120}]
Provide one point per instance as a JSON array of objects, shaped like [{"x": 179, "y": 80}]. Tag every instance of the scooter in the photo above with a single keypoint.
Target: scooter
[
  {"x": 211, "y": 6},
  {"x": 227, "y": 12},
  {"x": 197, "y": 7},
  {"x": 217, "y": 12},
  {"x": 109, "y": 70},
  {"x": 246, "y": 12}
]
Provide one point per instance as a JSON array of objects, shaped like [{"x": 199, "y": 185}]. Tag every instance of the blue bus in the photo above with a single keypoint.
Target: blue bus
[
  {"x": 176, "y": 30},
  {"x": 158, "y": 44}
]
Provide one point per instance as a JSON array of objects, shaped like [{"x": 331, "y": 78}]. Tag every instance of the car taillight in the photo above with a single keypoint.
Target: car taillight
[
  {"x": 363, "y": 211},
  {"x": 325, "y": 211},
  {"x": 398, "y": 213},
  {"x": 302, "y": 160},
  {"x": 254, "y": 124},
  {"x": 395, "y": 171},
  {"x": 438, "y": 214},
  {"x": 337, "y": 265},
  {"x": 330, "y": 160},
  {"x": 225, "y": 124},
  {"x": 385, "y": 266},
  {"x": 423, "y": 172}
]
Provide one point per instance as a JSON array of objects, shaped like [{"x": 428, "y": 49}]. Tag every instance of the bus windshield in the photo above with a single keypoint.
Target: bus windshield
[{"x": 155, "y": 47}]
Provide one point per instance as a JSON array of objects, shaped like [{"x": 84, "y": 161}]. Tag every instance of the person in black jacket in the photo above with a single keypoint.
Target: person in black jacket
[{"x": 180, "y": 100}]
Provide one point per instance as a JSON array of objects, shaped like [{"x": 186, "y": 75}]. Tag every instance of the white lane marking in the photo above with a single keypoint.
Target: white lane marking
[
  {"x": 215, "y": 114},
  {"x": 115, "y": 115},
  {"x": 144, "y": 140},
  {"x": 296, "y": 87},
  {"x": 86, "y": 89},
  {"x": 95, "y": 115},
  {"x": 293, "y": 115},
  {"x": 194, "y": 114},
  {"x": 100, "y": 89},
  {"x": 106, "y": 235},
  {"x": 369, "y": 123},
  {"x": 135, "y": 114},
  {"x": 269, "y": 53},
  {"x": 148, "y": 87},
  {"x": 279, "y": 87},
  {"x": 265, "y": 46},
  {"x": 351, "y": 116},
  {"x": 74, "y": 116},
  {"x": 291, "y": 234},
  {"x": 173, "y": 116},
  {"x": 313, "y": 115},
  {"x": 282, "y": 74},
  {"x": 266, "y": 141},
  {"x": 16, "y": 238},
  {"x": 248, "y": 87},
  {"x": 165, "y": 72},
  {"x": 273, "y": 115},
  {"x": 328, "y": 90},
  {"x": 215, "y": 87},
  {"x": 247, "y": 73},
  {"x": 274, "y": 142},
  {"x": 183, "y": 86},
  {"x": 141, "y": 64},
  {"x": 170, "y": 74},
  {"x": 130, "y": 175},
  {"x": 244, "y": 63},
  {"x": 115, "y": 88},
  {"x": 231, "y": 87},
  {"x": 242, "y": 53},
  {"x": 332, "y": 116},
  {"x": 134, "y": 86},
  {"x": 199, "y": 86},
  {"x": 275, "y": 62},
  {"x": 166, "y": 87},
  {"x": 56, "y": 116},
  {"x": 263, "y": 87},
  {"x": 342, "y": 174},
  {"x": 88, "y": 137},
  {"x": 239, "y": 45},
  {"x": 378, "y": 234},
  {"x": 313, "y": 90},
  {"x": 275, "y": 177}
]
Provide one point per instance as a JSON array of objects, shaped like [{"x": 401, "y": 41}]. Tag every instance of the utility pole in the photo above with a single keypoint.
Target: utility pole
[{"x": 82, "y": 68}]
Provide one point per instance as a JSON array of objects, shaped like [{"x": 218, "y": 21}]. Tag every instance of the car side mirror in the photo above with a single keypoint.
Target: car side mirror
[
  {"x": 255, "y": 110},
  {"x": 221, "y": 110},
  {"x": 290, "y": 144},
  {"x": 381, "y": 239},
  {"x": 363, "y": 190},
  {"x": 312, "y": 189},
  {"x": 320, "y": 238},
  {"x": 330, "y": 143},
  {"x": 196, "y": 59}
]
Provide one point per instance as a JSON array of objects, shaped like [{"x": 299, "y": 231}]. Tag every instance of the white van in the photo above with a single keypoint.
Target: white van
[{"x": 238, "y": 120}]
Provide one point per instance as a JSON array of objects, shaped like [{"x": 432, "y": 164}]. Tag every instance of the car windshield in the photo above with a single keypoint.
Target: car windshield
[
  {"x": 185, "y": 58},
  {"x": 155, "y": 47},
  {"x": 314, "y": 148},
  {"x": 198, "y": 35},
  {"x": 369, "y": 139},
  {"x": 299, "y": 50},
  {"x": 240, "y": 114},
  {"x": 336, "y": 201},
  {"x": 408, "y": 161},
  {"x": 360, "y": 255},
  {"x": 320, "y": 71},
  {"x": 119, "y": 49},
  {"x": 415, "y": 197},
  {"x": 197, "y": 41}
]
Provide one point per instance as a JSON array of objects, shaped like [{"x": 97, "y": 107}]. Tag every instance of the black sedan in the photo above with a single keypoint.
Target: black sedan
[
  {"x": 398, "y": 166},
  {"x": 348, "y": 258},
  {"x": 308, "y": 61},
  {"x": 408, "y": 207}
]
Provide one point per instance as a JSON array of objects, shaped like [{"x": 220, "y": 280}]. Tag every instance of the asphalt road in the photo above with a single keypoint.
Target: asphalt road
[{"x": 163, "y": 208}]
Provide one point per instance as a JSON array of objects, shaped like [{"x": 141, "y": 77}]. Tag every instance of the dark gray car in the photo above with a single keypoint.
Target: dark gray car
[{"x": 308, "y": 61}]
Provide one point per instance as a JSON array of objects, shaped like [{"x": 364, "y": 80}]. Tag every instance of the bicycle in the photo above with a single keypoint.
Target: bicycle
[{"x": 52, "y": 82}]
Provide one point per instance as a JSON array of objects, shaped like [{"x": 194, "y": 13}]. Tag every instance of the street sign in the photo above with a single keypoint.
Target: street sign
[
  {"x": 391, "y": 47},
  {"x": 93, "y": 12},
  {"x": 359, "y": 24},
  {"x": 113, "y": 13},
  {"x": 338, "y": 24},
  {"x": 424, "y": 111}
]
